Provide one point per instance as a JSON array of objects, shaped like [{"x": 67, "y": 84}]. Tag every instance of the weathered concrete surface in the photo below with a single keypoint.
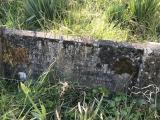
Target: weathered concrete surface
[
  {"x": 116, "y": 66},
  {"x": 1, "y": 68},
  {"x": 150, "y": 68}
]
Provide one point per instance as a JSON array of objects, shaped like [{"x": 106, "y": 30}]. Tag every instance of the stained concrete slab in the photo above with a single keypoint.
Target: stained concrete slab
[{"x": 114, "y": 65}]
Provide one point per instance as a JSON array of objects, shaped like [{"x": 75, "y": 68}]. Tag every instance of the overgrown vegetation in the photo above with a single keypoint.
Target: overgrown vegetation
[
  {"x": 42, "y": 100},
  {"x": 48, "y": 99},
  {"x": 133, "y": 20}
]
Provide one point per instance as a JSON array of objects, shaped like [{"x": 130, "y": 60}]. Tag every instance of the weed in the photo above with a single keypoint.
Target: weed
[{"x": 134, "y": 20}]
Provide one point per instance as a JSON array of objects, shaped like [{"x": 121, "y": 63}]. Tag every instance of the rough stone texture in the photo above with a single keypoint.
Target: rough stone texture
[
  {"x": 116, "y": 66},
  {"x": 150, "y": 68},
  {"x": 1, "y": 68}
]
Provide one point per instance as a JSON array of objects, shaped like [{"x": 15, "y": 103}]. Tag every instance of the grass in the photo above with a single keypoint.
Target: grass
[
  {"x": 44, "y": 100},
  {"x": 121, "y": 20},
  {"x": 50, "y": 97},
  {"x": 69, "y": 102}
]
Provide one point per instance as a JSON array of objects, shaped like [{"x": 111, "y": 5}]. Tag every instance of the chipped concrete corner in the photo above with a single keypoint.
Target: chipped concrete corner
[{"x": 116, "y": 66}]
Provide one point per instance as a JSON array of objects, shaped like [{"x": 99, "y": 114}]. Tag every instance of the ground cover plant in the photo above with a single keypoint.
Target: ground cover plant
[
  {"x": 122, "y": 20},
  {"x": 43, "y": 100}
]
